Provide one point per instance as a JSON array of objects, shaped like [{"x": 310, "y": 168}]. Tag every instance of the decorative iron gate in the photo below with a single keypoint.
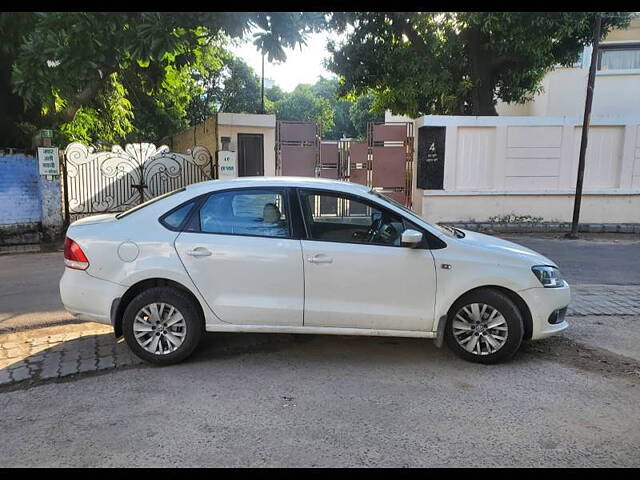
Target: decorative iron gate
[
  {"x": 383, "y": 161},
  {"x": 106, "y": 182}
]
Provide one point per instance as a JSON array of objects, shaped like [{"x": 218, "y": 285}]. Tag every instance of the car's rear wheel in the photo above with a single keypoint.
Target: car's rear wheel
[
  {"x": 162, "y": 325},
  {"x": 484, "y": 326}
]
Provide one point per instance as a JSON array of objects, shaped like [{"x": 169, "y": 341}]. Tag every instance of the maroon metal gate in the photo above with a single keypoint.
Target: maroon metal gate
[
  {"x": 297, "y": 148},
  {"x": 383, "y": 161}
]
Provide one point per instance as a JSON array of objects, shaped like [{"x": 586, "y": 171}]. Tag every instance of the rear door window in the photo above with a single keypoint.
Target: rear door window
[{"x": 254, "y": 212}]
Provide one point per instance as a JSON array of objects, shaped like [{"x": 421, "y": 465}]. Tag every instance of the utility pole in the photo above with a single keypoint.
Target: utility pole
[
  {"x": 585, "y": 128},
  {"x": 262, "y": 87}
]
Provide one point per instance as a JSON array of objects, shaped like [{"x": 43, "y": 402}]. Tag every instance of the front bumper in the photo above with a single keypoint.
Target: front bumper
[
  {"x": 542, "y": 303},
  {"x": 88, "y": 298}
]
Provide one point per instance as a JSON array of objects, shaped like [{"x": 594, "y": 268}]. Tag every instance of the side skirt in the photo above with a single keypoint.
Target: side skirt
[{"x": 318, "y": 330}]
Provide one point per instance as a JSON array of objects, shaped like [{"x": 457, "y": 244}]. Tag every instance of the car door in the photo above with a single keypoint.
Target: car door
[
  {"x": 352, "y": 280},
  {"x": 238, "y": 250}
]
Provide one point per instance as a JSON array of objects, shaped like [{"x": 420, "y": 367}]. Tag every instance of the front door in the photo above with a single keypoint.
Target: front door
[
  {"x": 239, "y": 252},
  {"x": 250, "y": 154},
  {"x": 357, "y": 274}
]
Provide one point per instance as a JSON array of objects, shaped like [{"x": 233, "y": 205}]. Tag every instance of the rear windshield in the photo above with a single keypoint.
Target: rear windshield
[{"x": 149, "y": 202}]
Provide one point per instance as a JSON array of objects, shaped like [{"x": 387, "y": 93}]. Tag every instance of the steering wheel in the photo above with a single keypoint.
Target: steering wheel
[{"x": 376, "y": 225}]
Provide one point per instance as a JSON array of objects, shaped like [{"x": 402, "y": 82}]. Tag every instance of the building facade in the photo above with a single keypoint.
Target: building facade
[
  {"x": 617, "y": 91},
  {"x": 249, "y": 139},
  {"x": 522, "y": 164}
]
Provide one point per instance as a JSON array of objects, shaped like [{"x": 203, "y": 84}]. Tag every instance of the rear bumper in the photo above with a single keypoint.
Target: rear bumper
[
  {"x": 542, "y": 303},
  {"x": 88, "y": 298}
]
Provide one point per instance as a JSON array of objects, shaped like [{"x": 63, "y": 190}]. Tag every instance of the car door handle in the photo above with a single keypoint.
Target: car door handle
[
  {"x": 320, "y": 258},
  {"x": 199, "y": 252}
]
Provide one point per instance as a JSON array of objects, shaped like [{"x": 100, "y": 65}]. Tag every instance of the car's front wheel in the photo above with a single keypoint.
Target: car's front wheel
[
  {"x": 162, "y": 325},
  {"x": 484, "y": 326}
]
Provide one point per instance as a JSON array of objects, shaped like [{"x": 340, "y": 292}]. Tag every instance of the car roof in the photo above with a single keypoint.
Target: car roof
[{"x": 303, "y": 182}]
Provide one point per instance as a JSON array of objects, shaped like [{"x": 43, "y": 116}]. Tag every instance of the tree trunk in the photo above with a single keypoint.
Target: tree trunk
[
  {"x": 83, "y": 97},
  {"x": 482, "y": 91}
]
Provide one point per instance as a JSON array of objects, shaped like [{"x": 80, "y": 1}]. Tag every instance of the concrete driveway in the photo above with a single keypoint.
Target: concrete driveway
[{"x": 312, "y": 400}]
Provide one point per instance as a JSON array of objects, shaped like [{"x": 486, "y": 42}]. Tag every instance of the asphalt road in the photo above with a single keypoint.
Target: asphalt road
[
  {"x": 594, "y": 259},
  {"x": 287, "y": 400},
  {"x": 30, "y": 297}
]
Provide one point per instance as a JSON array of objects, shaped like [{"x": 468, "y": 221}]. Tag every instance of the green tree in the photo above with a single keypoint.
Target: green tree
[
  {"x": 456, "y": 63},
  {"x": 241, "y": 88},
  {"x": 17, "y": 122},
  {"x": 303, "y": 104},
  {"x": 327, "y": 88},
  {"x": 72, "y": 67},
  {"x": 274, "y": 93},
  {"x": 231, "y": 87},
  {"x": 361, "y": 113}
]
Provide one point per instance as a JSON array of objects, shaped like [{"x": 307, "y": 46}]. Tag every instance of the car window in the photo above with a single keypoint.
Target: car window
[
  {"x": 259, "y": 212},
  {"x": 339, "y": 218},
  {"x": 174, "y": 219}
]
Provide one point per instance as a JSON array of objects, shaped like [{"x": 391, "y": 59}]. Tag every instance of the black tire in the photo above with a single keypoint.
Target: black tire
[
  {"x": 184, "y": 304},
  {"x": 499, "y": 301}
]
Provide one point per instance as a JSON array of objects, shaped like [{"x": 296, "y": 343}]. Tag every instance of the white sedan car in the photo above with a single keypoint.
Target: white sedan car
[{"x": 303, "y": 255}]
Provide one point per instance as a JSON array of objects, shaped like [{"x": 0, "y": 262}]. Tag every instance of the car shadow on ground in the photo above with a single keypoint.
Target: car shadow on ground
[{"x": 31, "y": 364}]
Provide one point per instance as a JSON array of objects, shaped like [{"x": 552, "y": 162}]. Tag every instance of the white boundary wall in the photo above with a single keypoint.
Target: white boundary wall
[{"x": 496, "y": 166}]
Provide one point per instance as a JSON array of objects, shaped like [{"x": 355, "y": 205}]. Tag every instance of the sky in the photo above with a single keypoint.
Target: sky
[{"x": 302, "y": 65}]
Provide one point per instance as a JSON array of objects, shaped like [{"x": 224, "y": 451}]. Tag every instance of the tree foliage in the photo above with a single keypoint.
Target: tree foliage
[
  {"x": 114, "y": 74},
  {"x": 304, "y": 105},
  {"x": 456, "y": 63}
]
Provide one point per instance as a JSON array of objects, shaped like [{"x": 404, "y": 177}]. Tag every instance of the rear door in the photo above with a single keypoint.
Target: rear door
[{"x": 239, "y": 252}]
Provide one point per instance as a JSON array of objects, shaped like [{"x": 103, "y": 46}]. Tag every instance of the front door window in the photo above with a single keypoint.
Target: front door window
[{"x": 334, "y": 218}]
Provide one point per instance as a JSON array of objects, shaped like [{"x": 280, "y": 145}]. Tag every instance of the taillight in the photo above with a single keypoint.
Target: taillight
[{"x": 74, "y": 256}]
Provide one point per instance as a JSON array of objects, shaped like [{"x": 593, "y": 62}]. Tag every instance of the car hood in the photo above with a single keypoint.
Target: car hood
[
  {"x": 105, "y": 217},
  {"x": 504, "y": 247}
]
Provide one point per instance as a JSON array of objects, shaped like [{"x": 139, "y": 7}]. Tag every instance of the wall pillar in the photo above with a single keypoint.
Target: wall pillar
[
  {"x": 50, "y": 200},
  {"x": 51, "y": 204}
]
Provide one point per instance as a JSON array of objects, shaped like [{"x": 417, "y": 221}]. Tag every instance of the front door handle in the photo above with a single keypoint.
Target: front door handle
[
  {"x": 199, "y": 252},
  {"x": 320, "y": 258}
]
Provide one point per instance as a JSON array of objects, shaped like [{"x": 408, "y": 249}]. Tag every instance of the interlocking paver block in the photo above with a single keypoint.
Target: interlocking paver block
[
  {"x": 51, "y": 365},
  {"x": 68, "y": 367},
  {"x": 604, "y": 300},
  {"x": 106, "y": 362},
  {"x": 87, "y": 365},
  {"x": 5, "y": 376},
  {"x": 19, "y": 374}
]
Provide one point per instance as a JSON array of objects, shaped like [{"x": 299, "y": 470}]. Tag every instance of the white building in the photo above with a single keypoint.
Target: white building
[
  {"x": 524, "y": 162},
  {"x": 617, "y": 91}
]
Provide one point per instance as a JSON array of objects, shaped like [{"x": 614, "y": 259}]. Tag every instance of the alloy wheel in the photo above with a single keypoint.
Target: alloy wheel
[
  {"x": 159, "y": 328},
  {"x": 480, "y": 329}
]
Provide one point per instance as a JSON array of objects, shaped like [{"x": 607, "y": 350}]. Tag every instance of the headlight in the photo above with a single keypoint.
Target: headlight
[{"x": 549, "y": 276}]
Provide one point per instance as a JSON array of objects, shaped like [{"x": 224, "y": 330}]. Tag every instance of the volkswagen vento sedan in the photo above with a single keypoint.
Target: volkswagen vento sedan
[{"x": 302, "y": 255}]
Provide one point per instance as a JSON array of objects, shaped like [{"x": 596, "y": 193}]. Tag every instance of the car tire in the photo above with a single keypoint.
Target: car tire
[
  {"x": 173, "y": 342},
  {"x": 489, "y": 346}
]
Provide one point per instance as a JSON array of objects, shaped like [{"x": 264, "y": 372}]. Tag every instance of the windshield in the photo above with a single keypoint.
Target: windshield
[
  {"x": 149, "y": 202},
  {"x": 448, "y": 231}
]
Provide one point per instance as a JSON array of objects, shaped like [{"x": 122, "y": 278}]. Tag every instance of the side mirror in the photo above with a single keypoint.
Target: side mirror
[{"x": 411, "y": 238}]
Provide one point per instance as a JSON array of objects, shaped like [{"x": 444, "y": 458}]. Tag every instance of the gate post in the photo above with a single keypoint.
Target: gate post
[{"x": 50, "y": 198}]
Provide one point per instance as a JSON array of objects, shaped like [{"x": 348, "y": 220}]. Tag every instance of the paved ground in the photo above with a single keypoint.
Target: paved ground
[
  {"x": 312, "y": 400},
  {"x": 72, "y": 396}
]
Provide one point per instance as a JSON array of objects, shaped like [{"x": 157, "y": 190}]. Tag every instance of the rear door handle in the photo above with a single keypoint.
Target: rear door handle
[
  {"x": 199, "y": 252},
  {"x": 320, "y": 258}
]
